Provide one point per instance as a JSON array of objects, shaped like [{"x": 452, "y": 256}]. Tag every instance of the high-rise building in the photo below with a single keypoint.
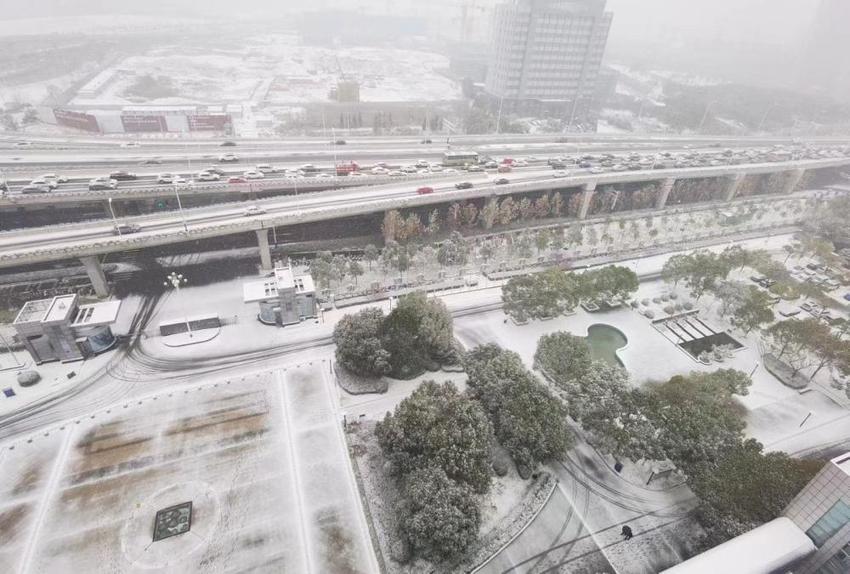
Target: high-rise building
[
  {"x": 546, "y": 55},
  {"x": 826, "y": 68}
]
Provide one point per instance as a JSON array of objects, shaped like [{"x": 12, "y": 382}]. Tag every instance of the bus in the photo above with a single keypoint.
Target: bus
[{"x": 460, "y": 158}]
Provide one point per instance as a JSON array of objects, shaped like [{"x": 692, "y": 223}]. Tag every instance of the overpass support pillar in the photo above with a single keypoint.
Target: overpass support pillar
[
  {"x": 733, "y": 185},
  {"x": 96, "y": 275},
  {"x": 664, "y": 192},
  {"x": 265, "y": 252},
  {"x": 793, "y": 178},
  {"x": 490, "y": 206},
  {"x": 586, "y": 197}
]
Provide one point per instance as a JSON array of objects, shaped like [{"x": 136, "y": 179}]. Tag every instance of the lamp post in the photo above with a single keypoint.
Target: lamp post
[
  {"x": 180, "y": 207},
  {"x": 705, "y": 115},
  {"x": 176, "y": 280},
  {"x": 114, "y": 219}
]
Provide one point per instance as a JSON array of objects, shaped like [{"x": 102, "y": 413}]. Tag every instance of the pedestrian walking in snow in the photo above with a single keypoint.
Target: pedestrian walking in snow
[{"x": 626, "y": 532}]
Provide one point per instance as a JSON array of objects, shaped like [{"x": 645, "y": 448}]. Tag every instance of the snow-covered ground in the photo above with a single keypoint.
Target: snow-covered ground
[
  {"x": 262, "y": 458},
  {"x": 276, "y": 70}
]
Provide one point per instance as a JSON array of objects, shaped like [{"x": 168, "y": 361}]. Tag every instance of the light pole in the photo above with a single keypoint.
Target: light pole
[
  {"x": 705, "y": 115},
  {"x": 114, "y": 220},
  {"x": 176, "y": 280},
  {"x": 499, "y": 116},
  {"x": 764, "y": 117},
  {"x": 180, "y": 207}
]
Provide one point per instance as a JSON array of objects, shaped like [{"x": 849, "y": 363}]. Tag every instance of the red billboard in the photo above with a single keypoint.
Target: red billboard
[
  {"x": 135, "y": 123},
  {"x": 208, "y": 122},
  {"x": 76, "y": 120}
]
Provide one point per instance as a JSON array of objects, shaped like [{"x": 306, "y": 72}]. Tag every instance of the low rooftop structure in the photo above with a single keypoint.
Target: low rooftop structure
[
  {"x": 284, "y": 298},
  {"x": 60, "y": 329}
]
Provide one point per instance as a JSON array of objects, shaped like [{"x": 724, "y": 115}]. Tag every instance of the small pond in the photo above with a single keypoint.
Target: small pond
[{"x": 604, "y": 341}]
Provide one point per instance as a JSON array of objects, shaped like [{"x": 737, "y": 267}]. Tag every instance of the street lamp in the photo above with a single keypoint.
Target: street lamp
[
  {"x": 176, "y": 280},
  {"x": 114, "y": 220},
  {"x": 705, "y": 115},
  {"x": 180, "y": 207}
]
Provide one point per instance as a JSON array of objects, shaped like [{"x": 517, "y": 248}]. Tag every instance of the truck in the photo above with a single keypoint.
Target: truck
[{"x": 343, "y": 169}]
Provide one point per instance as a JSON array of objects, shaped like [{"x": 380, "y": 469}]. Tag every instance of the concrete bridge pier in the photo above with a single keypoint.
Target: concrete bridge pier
[
  {"x": 96, "y": 275},
  {"x": 586, "y": 197},
  {"x": 664, "y": 192},
  {"x": 793, "y": 178},
  {"x": 265, "y": 251},
  {"x": 733, "y": 185}
]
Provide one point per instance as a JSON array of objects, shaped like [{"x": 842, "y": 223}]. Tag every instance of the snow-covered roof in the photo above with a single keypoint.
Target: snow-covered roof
[
  {"x": 842, "y": 462},
  {"x": 97, "y": 314},
  {"x": 762, "y": 550}
]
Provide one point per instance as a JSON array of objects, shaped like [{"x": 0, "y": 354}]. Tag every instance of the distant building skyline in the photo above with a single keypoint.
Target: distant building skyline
[{"x": 548, "y": 52}]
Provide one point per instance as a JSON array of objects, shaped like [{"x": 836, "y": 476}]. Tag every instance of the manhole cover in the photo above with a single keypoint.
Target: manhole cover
[{"x": 172, "y": 521}]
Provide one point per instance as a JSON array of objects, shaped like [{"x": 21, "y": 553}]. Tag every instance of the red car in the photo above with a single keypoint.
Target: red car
[
  {"x": 236, "y": 179},
  {"x": 424, "y": 190}
]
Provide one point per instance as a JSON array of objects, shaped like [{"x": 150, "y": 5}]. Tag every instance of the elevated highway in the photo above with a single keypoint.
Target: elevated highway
[{"x": 91, "y": 240}]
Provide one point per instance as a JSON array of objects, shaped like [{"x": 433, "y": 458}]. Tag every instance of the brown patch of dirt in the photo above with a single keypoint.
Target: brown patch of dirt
[
  {"x": 10, "y": 519},
  {"x": 28, "y": 480},
  {"x": 337, "y": 546}
]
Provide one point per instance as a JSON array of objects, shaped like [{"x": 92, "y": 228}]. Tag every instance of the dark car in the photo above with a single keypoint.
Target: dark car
[
  {"x": 464, "y": 185},
  {"x": 123, "y": 175},
  {"x": 228, "y": 143},
  {"x": 3, "y": 187},
  {"x": 152, "y": 161},
  {"x": 502, "y": 181},
  {"x": 126, "y": 228},
  {"x": 585, "y": 164},
  {"x": 35, "y": 189},
  {"x": 216, "y": 170},
  {"x": 340, "y": 142},
  {"x": 426, "y": 141},
  {"x": 558, "y": 165}
]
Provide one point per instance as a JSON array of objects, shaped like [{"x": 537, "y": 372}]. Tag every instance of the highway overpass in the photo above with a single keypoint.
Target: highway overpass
[{"x": 90, "y": 240}]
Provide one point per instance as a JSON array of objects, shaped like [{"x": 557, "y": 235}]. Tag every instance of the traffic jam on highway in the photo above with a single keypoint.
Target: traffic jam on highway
[{"x": 453, "y": 162}]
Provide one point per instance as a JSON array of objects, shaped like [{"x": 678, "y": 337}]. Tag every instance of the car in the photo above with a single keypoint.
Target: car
[
  {"x": 490, "y": 164},
  {"x": 236, "y": 179},
  {"x": 323, "y": 175},
  {"x": 560, "y": 173},
  {"x": 464, "y": 185},
  {"x": 847, "y": 296},
  {"x": 228, "y": 158},
  {"x": 37, "y": 189},
  {"x": 56, "y": 178},
  {"x": 502, "y": 181},
  {"x": 421, "y": 163},
  {"x": 308, "y": 167},
  {"x": 253, "y": 210},
  {"x": 396, "y": 173},
  {"x": 131, "y": 144},
  {"x": 409, "y": 169},
  {"x": 165, "y": 178},
  {"x": 45, "y": 183},
  {"x": 253, "y": 174},
  {"x": 100, "y": 183},
  {"x": 182, "y": 182},
  {"x": 426, "y": 141},
  {"x": 23, "y": 144},
  {"x": 377, "y": 171},
  {"x": 596, "y": 170},
  {"x": 123, "y": 175},
  {"x": 585, "y": 165},
  {"x": 425, "y": 190},
  {"x": 475, "y": 168},
  {"x": 216, "y": 170},
  {"x": 152, "y": 161},
  {"x": 520, "y": 163},
  {"x": 265, "y": 168},
  {"x": 126, "y": 228},
  {"x": 340, "y": 142},
  {"x": 207, "y": 176},
  {"x": 504, "y": 168},
  {"x": 228, "y": 143},
  {"x": 4, "y": 187}
]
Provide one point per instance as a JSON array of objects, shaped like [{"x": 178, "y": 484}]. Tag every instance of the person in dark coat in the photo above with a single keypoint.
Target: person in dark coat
[{"x": 626, "y": 532}]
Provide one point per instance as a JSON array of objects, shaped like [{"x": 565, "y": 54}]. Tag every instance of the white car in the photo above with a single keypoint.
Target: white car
[
  {"x": 253, "y": 174},
  {"x": 183, "y": 183},
  {"x": 253, "y": 210},
  {"x": 378, "y": 171},
  {"x": 228, "y": 158},
  {"x": 409, "y": 169},
  {"x": 422, "y": 163},
  {"x": 56, "y": 178},
  {"x": 323, "y": 175},
  {"x": 265, "y": 168},
  {"x": 165, "y": 178},
  {"x": 208, "y": 176},
  {"x": 596, "y": 170},
  {"x": 44, "y": 182},
  {"x": 560, "y": 173},
  {"x": 521, "y": 163},
  {"x": 396, "y": 173},
  {"x": 99, "y": 183}
]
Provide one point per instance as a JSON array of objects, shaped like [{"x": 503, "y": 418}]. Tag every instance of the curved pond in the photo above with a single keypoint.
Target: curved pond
[{"x": 604, "y": 340}]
